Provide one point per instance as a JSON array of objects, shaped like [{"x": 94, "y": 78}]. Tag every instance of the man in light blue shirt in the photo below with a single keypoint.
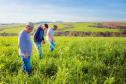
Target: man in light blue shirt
[
  {"x": 25, "y": 46},
  {"x": 50, "y": 37}
]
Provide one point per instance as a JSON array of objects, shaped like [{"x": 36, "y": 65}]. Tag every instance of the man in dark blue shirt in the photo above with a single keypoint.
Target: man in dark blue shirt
[{"x": 39, "y": 38}]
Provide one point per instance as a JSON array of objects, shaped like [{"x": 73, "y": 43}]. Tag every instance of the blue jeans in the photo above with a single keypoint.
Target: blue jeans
[
  {"x": 39, "y": 49},
  {"x": 52, "y": 45},
  {"x": 26, "y": 64}
]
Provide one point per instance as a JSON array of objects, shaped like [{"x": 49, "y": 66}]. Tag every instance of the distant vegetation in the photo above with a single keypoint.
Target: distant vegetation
[{"x": 87, "y": 27}]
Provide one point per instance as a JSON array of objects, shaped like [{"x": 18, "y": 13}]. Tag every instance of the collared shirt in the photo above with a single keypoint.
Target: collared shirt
[{"x": 24, "y": 43}]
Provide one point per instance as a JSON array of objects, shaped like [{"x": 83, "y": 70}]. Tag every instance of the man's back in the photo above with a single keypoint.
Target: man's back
[
  {"x": 50, "y": 32},
  {"x": 25, "y": 45},
  {"x": 39, "y": 35}
]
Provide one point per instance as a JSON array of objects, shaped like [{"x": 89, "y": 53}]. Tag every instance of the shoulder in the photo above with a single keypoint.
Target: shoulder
[
  {"x": 39, "y": 29},
  {"x": 50, "y": 29},
  {"x": 21, "y": 33}
]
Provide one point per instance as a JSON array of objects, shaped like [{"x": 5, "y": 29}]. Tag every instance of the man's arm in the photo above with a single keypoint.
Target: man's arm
[
  {"x": 43, "y": 41},
  {"x": 36, "y": 34},
  {"x": 22, "y": 45},
  {"x": 49, "y": 36}
]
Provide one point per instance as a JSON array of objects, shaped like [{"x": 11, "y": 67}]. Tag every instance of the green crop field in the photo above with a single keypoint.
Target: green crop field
[
  {"x": 62, "y": 27},
  {"x": 76, "y": 60}
]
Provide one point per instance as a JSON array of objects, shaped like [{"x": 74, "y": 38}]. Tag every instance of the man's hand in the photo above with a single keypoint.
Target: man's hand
[
  {"x": 52, "y": 39},
  {"x": 26, "y": 55},
  {"x": 43, "y": 42}
]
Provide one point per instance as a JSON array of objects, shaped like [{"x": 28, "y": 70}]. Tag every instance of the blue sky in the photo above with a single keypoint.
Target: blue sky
[{"x": 62, "y": 10}]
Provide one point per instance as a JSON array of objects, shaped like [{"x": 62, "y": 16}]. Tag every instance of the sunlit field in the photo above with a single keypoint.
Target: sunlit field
[
  {"x": 75, "y": 60},
  {"x": 89, "y": 41}
]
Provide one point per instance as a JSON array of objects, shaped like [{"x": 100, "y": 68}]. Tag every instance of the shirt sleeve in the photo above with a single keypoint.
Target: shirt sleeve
[
  {"x": 22, "y": 43},
  {"x": 36, "y": 34},
  {"x": 43, "y": 36}
]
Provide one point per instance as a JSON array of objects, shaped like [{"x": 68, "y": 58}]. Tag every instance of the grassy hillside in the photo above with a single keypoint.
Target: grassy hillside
[
  {"x": 85, "y": 27},
  {"x": 11, "y": 29}
]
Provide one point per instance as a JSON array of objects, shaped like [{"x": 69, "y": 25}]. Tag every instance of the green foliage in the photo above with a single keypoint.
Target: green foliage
[{"x": 76, "y": 60}]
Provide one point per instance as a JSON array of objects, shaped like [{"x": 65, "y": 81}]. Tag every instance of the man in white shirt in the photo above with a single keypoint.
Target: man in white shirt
[{"x": 50, "y": 35}]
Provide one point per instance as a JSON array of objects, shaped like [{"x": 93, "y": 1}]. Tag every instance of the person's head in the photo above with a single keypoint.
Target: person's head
[
  {"x": 44, "y": 26},
  {"x": 55, "y": 27},
  {"x": 29, "y": 27}
]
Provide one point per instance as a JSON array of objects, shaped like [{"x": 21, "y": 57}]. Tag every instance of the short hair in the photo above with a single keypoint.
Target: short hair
[
  {"x": 30, "y": 25},
  {"x": 46, "y": 25},
  {"x": 55, "y": 26}
]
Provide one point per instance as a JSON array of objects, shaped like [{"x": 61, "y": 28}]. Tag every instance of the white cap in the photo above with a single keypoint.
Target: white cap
[{"x": 30, "y": 24}]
